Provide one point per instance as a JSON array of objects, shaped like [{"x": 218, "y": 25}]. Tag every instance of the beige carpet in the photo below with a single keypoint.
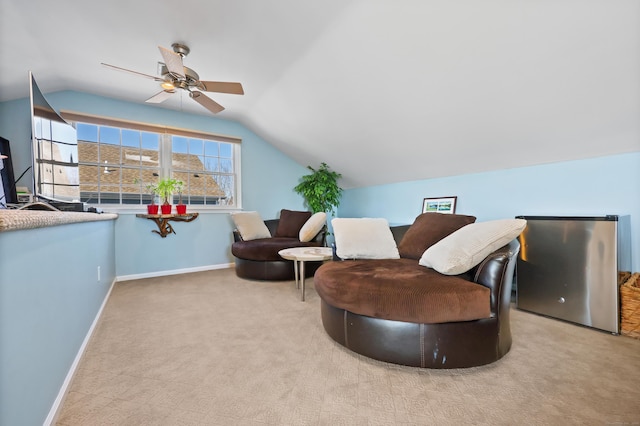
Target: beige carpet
[{"x": 211, "y": 349}]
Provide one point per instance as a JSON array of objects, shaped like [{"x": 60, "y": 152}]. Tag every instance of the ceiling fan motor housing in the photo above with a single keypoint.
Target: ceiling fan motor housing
[{"x": 192, "y": 78}]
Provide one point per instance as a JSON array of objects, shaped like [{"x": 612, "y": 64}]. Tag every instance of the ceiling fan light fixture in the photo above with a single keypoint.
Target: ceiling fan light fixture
[{"x": 167, "y": 85}]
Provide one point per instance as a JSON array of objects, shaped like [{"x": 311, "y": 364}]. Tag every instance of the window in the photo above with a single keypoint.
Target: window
[
  {"x": 116, "y": 164},
  {"x": 118, "y": 159},
  {"x": 206, "y": 169},
  {"x": 56, "y": 167}
]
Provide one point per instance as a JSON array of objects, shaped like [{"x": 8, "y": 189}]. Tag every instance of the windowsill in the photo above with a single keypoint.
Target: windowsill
[{"x": 142, "y": 209}]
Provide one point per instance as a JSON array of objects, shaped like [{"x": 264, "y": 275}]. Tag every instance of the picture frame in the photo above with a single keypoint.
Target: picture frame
[{"x": 446, "y": 205}]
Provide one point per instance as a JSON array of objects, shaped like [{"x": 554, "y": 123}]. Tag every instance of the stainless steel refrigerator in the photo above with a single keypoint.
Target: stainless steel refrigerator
[{"x": 568, "y": 268}]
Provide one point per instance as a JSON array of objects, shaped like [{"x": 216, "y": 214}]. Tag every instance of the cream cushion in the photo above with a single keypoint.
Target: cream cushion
[
  {"x": 468, "y": 246},
  {"x": 364, "y": 238},
  {"x": 250, "y": 225},
  {"x": 312, "y": 226}
]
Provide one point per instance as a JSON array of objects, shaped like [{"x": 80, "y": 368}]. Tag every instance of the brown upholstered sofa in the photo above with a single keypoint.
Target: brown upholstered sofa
[
  {"x": 258, "y": 259},
  {"x": 398, "y": 311}
]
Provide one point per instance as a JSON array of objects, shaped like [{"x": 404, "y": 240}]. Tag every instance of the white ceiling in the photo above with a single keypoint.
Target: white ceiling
[{"x": 383, "y": 91}]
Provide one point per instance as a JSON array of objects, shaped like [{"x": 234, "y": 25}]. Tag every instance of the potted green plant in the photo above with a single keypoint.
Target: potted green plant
[
  {"x": 152, "y": 189},
  {"x": 166, "y": 187},
  {"x": 180, "y": 208},
  {"x": 320, "y": 189}
]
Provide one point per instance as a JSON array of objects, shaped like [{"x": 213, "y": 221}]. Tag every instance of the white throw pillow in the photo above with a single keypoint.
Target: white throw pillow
[
  {"x": 364, "y": 238},
  {"x": 250, "y": 225},
  {"x": 468, "y": 246},
  {"x": 312, "y": 226}
]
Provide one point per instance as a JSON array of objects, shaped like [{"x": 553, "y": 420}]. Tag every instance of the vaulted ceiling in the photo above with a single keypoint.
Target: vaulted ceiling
[{"x": 383, "y": 91}]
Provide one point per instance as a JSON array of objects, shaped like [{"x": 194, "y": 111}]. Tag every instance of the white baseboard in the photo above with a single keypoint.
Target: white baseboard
[
  {"x": 174, "y": 272},
  {"x": 57, "y": 404}
]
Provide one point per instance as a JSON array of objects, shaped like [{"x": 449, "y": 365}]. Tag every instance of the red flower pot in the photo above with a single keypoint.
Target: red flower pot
[
  {"x": 152, "y": 209},
  {"x": 165, "y": 208},
  {"x": 181, "y": 208}
]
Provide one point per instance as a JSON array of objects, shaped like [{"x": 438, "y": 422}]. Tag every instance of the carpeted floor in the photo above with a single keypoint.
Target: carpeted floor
[{"x": 211, "y": 349}]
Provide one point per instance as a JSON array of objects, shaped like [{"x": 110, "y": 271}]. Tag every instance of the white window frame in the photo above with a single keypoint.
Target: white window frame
[{"x": 165, "y": 155}]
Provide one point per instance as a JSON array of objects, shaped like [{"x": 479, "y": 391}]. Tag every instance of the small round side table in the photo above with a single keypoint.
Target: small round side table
[{"x": 301, "y": 255}]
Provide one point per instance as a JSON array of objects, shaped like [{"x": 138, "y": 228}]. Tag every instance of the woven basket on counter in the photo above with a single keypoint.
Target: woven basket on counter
[{"x": 630, "y": 305}]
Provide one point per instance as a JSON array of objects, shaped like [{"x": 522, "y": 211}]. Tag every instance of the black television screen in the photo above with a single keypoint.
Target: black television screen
[
  {"x": 8, "y": 184},
  {"x": 54, "y": 151}
]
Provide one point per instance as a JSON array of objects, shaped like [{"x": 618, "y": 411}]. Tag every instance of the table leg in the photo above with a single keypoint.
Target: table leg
[
  {"x": 302, "y": 278},
  {"x": 295, "y": 271}
]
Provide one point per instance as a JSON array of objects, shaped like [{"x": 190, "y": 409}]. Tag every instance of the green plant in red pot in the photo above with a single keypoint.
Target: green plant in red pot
[
  {"x": 166, "y": 187},
  {"x": 180, "y": 208},
  {"x": 152, "y": 189}
]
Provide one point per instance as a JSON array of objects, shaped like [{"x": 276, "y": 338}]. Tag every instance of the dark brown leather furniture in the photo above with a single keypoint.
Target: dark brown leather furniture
[
  {"x": 259, "y": 259},
  {"x": 450, "y": 344}
]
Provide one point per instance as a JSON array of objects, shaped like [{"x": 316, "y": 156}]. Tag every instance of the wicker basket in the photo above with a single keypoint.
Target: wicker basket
[{"x": 630, "y": 306}]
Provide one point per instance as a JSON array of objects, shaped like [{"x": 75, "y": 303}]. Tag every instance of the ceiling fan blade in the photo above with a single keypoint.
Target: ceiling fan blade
[
  {"x": 173, "y": 61},
  {"x": 222, "y": 87},
  {"x": 160, "y": 97},
  {"x": 132, "y": 72},
  {"x": 206, "y": 102}
]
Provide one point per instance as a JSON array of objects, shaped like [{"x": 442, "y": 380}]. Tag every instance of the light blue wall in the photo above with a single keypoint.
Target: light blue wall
[
  {"x": 44, "y": 315},
  {"x": 593, "y": 187},
  {"x": 268, "y": 178},
  {"x": 205, "y": 241},
  {"x": 49, "y": 297}
]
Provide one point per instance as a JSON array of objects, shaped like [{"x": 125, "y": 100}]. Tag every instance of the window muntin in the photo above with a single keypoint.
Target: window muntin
[{"x": 116, "y": 164}]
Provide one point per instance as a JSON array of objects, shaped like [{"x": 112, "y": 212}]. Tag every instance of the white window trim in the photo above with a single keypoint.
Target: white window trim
[{"x": 166, "y": 131}]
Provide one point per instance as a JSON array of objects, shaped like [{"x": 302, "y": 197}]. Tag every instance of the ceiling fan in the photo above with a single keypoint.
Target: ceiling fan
[{"x": 174, "y": 75}]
